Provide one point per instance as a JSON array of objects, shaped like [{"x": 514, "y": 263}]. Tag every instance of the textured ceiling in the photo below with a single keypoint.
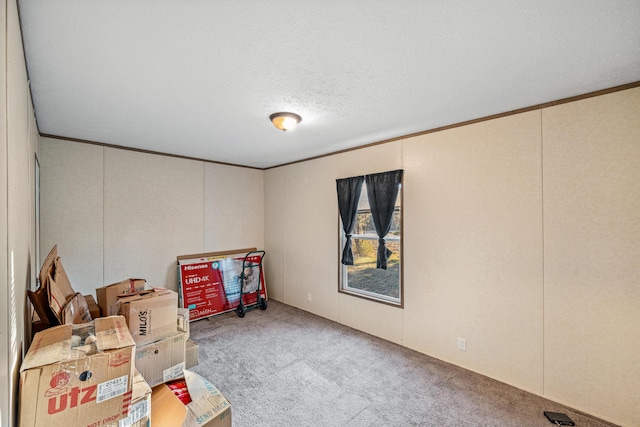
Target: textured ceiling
[{"x": 200, "y": 78}]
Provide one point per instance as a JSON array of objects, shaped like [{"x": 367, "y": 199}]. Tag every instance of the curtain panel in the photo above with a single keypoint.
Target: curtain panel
[
  {"x": 349, "y": 190},
  {"x": 382, "y": 191}
]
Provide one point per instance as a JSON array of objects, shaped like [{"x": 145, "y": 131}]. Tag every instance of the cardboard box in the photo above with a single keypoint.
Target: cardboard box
[
  {"x": 38, "y": 326},
  {"x": 59, "y": 289},
  {"x": 209, "y": 284},
  {"x": 76, "y": 311},
  {"x": 183, "y": 320},
  {"x": 94, "y": 308},
  {"x": 151, "y": 315},
  {"x": 108, "y": 295},
  {"x": 140, "y": 408},
  {"x": 40, "y": 301},
  {"x": 54, "y": 291},
  {"x": 163, "y": 360},
  {"x": 208, "y": 406},
  {"x": 78, "y": 375},
  {"x": 191, "y": 352}
]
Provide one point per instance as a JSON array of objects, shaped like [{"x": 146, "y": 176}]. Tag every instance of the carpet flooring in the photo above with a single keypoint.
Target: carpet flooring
[{"x": 287, "y": 367}]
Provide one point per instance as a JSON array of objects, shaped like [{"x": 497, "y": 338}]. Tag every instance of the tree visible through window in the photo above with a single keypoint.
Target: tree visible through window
[{"x": 363, "y": 278}]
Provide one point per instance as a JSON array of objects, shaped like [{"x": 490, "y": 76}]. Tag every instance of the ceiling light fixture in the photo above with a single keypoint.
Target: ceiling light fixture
[{"x": 285, "y": 121}]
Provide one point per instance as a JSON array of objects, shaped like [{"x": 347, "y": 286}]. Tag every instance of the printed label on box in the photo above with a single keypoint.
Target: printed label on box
[
  {"x": 137, "y": 412},
  {"x": 112, "y": 388},
  {"x": 173, "y": 372}
]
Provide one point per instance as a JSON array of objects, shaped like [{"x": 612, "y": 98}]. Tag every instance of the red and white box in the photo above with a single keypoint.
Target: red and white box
[
  {"x": 210, "y": 284},
  {"x": 78, "y": 375}
]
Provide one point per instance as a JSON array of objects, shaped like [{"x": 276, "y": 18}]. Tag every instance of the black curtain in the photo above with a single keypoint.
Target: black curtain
[
  {"x": 349, "y": 190},
  {"x": 382, "y": 189}
]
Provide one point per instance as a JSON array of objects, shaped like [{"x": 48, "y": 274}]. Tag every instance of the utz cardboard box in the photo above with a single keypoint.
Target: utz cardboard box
[
  {"x": 163, "y": 360},
  {"x": 108, "y": 295},
  {"x": 38, "y": 326},
  {"x": 140, "y": 409},
  {"x": 78, "y": 375},
  {"x": 192, "y": 356},
  {"x": 208, "y": 407},
  {"x": 151, "y": 315}
]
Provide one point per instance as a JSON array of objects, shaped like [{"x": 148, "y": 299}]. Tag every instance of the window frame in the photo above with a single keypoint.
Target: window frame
[{"x": 343, "y": 269}]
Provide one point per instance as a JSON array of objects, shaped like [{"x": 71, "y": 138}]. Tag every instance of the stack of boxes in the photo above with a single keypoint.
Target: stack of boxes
[
  {"x": 163, "y": 345},
  {"x": 108, "y": 295},
  {"x": 82, "y": 375},
  {"x": 55, "y": 302},
  {"x": 152, "y": 317},
  {"x": 95, "y": 372}
]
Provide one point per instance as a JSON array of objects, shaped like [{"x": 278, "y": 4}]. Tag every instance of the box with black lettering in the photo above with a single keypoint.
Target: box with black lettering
[
  {"x": 78, "y": 375},
  {"x": 151, "y": 314}
]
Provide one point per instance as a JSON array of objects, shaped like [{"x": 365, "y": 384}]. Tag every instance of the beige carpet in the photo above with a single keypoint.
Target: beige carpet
[{"x": 287, "y": 367}]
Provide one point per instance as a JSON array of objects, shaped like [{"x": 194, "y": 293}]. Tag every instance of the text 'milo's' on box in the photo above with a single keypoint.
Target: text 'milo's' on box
[
  {"x": 208, "y": 406},
  {"x": 78, "y": 375},
  {"x": 151, "y": 314},
  {"x": 108, "y": 295}
]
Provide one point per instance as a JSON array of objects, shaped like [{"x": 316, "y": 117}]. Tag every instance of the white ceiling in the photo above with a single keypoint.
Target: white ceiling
[{"x": 200, "y": 78}]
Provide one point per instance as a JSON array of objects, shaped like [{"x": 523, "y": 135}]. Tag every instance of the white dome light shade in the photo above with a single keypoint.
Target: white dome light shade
[{"x": 285, "y": 121}]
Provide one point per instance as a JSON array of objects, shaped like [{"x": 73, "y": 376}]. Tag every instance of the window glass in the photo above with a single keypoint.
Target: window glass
[{"x": 363, "y": 278}]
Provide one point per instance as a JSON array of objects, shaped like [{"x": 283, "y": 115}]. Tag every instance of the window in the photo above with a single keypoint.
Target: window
[{"x": 363, "y": 275}]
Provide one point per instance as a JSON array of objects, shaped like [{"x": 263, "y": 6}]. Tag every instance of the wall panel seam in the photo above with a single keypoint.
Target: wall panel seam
[
  {"x": 104, "y": 193},
  {"x": 543, "y": 247}
]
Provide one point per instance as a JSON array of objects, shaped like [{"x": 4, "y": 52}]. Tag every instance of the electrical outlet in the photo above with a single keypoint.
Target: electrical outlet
[
  {"x": 462, "y": 344},
  {"x": 309, "y": 297}
]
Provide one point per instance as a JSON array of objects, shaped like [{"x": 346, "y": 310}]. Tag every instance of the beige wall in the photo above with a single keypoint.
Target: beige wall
[
  {"x": 153, "y": 212},
  {"x": 521, "y": 235},
  {"x": 473, "y": 218},
  {"x": 5, "y": 357},
  {"x": 115, "y": 213},
  {"x": 233, "y": 192},
  {"x": 301, "y": 212},
  {"x": 591, "y": 152},
  {"x": 78, "y": 219},
  {"x": 18, "y": 148}
]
